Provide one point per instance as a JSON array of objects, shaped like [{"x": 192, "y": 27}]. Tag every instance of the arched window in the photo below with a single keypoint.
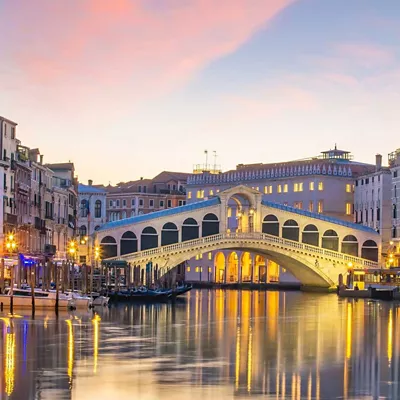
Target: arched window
[
  {"x": 97, "y": 209},
  {"x": 210, "y": 225},
  {"x": 311, "y": 235},
  {"x": 128, "y": 243},
  {"x": 290, "y": 230},
  {"x": 350, "y": 245},
  {"x": 149, "y": 238},
  {"x": 82, "y": 230},
  {"x": 84, "y": 208},
  {"x": 369, "y": 250},
  {"x": 108, "y": 247},
  {"x": 169, "y": 234},
  {"x": 330, "y": 240},
  {"x": 190, "y": 229},
  {"x": 270, "y": 225}
]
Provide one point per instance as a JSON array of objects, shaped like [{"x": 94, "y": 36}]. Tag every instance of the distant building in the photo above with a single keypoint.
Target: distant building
[
  {"x": 373, "y": 201},
  {"x": 323, "y": 184}
]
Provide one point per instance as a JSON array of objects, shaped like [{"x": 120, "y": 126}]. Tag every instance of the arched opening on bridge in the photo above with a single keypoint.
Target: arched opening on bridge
[
  {"x": 290, "y": 230},
  {"x": 210, "y": 225},
  {"x": 190, "y": 229},
  {"x": 240, "y": 213},
  {"x": 169, "y": 234},
  {"x": 149, "y": 238},
  {"x": 270, "y": 225},
  {"x": 310, "y": 235},
  {"x": 260, "y": 268},
  {"x": 128, "y": 243},
  {"x": 273, "y": 272},
  {"x": 370, "y": 250},
  {"x": 330, "y": 240},
  {"x": 245, "y": 263},
  {"x": 350, "y": 245},
  {"x": 233, "y": 268},
  {"x": 108, "y": 247},
  {"x": 219, "y": 266}
]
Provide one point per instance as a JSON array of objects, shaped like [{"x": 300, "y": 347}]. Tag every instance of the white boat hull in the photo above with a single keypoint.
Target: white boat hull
[{"x": 40, "y": 302}]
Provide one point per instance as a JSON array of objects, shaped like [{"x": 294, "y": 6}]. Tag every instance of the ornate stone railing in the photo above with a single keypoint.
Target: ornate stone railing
[{"x": 253, "y": 236}]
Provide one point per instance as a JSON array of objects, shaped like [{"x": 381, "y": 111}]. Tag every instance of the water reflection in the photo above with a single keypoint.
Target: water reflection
[{"x": 215, "y": 344}]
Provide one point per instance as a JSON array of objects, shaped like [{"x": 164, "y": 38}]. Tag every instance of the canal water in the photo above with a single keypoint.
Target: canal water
[{"x": 210, "y": 345}]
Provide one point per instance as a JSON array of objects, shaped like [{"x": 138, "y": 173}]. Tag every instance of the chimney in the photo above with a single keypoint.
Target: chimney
[
  {"x": 378, "y": 162},
  {"x": 41, "y": 159},
  {"x": 90, "y": 182}
]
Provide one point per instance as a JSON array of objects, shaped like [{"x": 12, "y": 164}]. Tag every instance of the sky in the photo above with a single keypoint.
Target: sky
[{"x": 128, "y": 88}]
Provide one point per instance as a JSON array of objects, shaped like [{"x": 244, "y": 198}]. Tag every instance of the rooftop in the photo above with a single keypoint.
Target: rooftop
[{"x": 89, "y": 189}]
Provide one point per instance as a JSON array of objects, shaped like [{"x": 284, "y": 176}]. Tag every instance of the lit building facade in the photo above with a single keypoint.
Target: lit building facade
[
  {"x": 323, "y": 184},
  {"x": 373, "y": 201}
]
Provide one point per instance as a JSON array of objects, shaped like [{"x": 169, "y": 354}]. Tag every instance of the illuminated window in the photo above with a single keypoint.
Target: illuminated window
[
  {"x": 300, "y": 186},
  {"x": 229, "y": 212},
  {"x": 189, "y": 195},
  {"x": 197, "y": 269},
  {"x": 311, "y": 186},
  {"x": 298, "y": 204},
  {"x": 320, "y": 206},
  {"x": 197, "y": 256},
  {"x": 296, "y": 187},
  {"x": 311, "y": 206},
  {"x": 188, "y": 269},
  {"x": 348, "y": 188},
  {"x": 320, "y": 186},
  {"x": 285, "y": 187},
  {"x": 200, "y": 194},
  {"x": 279, "y": 188},
  {"x": 348, "y": 208},
  {"x": 200, "y": 256},
  {"x": 270, "y": 189},
  {"x": 211, "y": 192},
  {"x": 266, "y": 189},
  {"x": 209, "y": 269},
  {"x": 210, "y": 255}
]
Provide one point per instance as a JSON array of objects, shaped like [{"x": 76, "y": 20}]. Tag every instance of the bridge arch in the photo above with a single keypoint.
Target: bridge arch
[
  {"x": 129, "y": 243},
  {"x": 246, "y": 266},
  {"x": 210, "y": 225},
  {"x": 330, "y": 240},
  {"x": 148, "y": 238},
  {"x": 169, "y": 234},
  {"x": 190, "y": 229},
  {"x": 290, "y": 230},
  {"x": 270, "y": 225},
  {"x": 369, "y": 250},
  {"x": 350, "y": 245},
  {"x": 232, "y": 273},
  {"x": 310, "y": 235},
  {"x": 219, "y": 267},
  {"x": 108, "y": 246}
]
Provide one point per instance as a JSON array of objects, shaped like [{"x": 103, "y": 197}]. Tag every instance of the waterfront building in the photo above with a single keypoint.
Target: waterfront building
[
  {"x": 323, "y": 184},
  {"x": 128, "y": 199},
  {"x": 373, "y": 201}
]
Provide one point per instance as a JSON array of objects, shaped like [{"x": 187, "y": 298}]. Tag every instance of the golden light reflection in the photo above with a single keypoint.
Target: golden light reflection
[
  {"x": 250, "y": 359},
  {"x": 70, "y": 350},
  {"x": 390, "y": 336},
  {"x": 309, "y": 388},
  {"x": 237, "y": 358},
  {"x": 9, "y": 370},
  {"x": 349, "y": 330},
  {"x": 95, "y": 321}
]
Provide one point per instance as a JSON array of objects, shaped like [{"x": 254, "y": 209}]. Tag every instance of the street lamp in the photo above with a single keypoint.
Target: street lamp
[
  {"x": 11, "y": 246},
  {"x": 72, "y": 250}
]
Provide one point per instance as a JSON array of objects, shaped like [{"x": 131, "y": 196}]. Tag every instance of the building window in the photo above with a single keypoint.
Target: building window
[
  {"x": 209, "y": 269},
  {"x": 298, "y": 205},
  {"x": 348, "y": 208},
  {"x": 132, "y": 213},
  {"x": 84, "y": 208},
  {"x": 197, "y": 257},
  {"x": 298, "y": 187},
  {"x": 82, "y": 231},
  {"x": 311, "y": 206},
  {"x": 197, "y": 269},
  {"x": 348, "y": 188},
  {"x": 320, "y": 206},
  {"x": 265, "y": 189},
  {"x": 189, "y": 195},
  {"x": 123, "y": 203},
  {"x": 169, "y": 203},
  {"x": 270, "y": 189},
  {"x": 161, "y": 203},
  {"x": 320, "y": 186},
  {"x": 279, "y": 188},
  {"x": 97, "y": 209},
  {"x": 151, "y": 203},
  {"x": 141, "y": 202},
  {"x": 140, "y": 189},
  {"x": 182, "y": 202},
  {"x": 311, "y": 186},
  {"x": 200, "y": 194},
  {"x": 210, "y": 255},
  {"x": 394, "y": 211},
  {"x": 118, "y": 203},
  {"x": 123, "y": 215},
  {"x": 133, "y": 202},
  {"x": 285, "y": 188},
  {"x": 187, "y": 269},
  {"x": 211, "y": 193}
]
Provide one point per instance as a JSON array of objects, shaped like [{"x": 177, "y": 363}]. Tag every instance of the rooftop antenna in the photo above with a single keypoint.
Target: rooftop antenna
[
  {"x": 206, "y": 153},
  {"x": 215, "y": 160}
]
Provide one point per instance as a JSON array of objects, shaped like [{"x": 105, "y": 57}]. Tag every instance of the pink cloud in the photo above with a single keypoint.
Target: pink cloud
[{"x": 124, "y": 41}]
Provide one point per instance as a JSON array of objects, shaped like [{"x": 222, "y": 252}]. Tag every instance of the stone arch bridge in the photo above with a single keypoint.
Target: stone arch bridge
[{"x": 313, "y": 247}]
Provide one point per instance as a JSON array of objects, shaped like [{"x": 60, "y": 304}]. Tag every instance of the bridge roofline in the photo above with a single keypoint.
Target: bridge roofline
[
  {"x": 159, "y": 214},
  {"x": 321, "y": 217}
]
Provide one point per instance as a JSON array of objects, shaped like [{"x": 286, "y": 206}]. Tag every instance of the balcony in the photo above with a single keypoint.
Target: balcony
[{"x": 5, "y": 162}]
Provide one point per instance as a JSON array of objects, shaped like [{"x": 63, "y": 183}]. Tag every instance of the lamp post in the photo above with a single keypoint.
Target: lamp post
[
  {"x": 11, "y": 246},
  {"x": 72, "y": 249}
]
